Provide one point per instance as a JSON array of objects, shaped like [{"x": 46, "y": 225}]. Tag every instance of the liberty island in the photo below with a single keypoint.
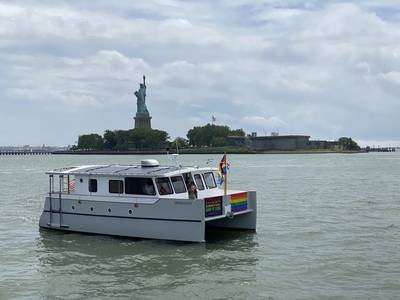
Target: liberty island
[{"x": 210, "y": 138}]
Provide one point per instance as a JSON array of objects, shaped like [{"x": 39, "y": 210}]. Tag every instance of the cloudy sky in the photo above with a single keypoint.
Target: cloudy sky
[{"x": 317, "y": 67}]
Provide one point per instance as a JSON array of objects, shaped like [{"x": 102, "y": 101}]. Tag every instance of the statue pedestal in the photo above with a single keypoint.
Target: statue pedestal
[{"x": 143, "y": 120}]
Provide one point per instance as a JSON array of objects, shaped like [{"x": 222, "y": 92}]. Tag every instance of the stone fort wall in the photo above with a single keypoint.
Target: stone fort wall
[{"x": 281, "y": 143}]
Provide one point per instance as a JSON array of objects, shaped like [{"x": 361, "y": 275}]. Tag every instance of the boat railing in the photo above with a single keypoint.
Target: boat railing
[
  {"x": 56, "y": 189},
  {"x": 65, "y": 184}
]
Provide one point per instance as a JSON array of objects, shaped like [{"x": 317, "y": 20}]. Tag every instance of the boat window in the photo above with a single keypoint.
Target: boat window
[
  {"x": 209, "y": 179},
  {"x": 164, "y": 186},
  {"x": 139, "y": 186},
  {"x": 199, "y": 182},
  {"x": 188, "y": 179},
  {"x": 93, "y": 185},
  {"x": 179, "y": 186},
  {"x": 116, "y": 186}
]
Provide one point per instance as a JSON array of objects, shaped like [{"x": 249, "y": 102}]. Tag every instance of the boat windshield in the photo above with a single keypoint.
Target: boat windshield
[
  {"x": 209, "y": 179},
  {"x": 199, "y": 182},
  {"x": 179, "y": 185},
  {"x": 188, "y": 179},
  {"x": 164, "y": 186}
]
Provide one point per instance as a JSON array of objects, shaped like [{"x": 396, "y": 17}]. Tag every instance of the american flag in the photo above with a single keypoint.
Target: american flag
[{"x": 71, "y": 186}]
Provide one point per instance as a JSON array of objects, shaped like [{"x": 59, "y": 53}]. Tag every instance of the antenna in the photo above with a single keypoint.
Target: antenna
[{"x": 174, "y": 158}]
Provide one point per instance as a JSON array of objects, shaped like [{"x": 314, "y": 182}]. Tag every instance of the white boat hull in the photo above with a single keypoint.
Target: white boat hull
[{"x": 169, "y": 219}]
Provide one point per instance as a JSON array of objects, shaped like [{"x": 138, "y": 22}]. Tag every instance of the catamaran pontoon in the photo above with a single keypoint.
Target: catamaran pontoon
[{"x": 145, "y": 201}]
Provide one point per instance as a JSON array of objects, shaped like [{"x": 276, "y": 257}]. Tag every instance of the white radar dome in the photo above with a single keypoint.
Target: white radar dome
[{"x": 150, "y": 163}]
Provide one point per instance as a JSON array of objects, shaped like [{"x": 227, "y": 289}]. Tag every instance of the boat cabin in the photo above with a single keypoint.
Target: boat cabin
[
  {"x": 148, "y": 201},
  {"x": 147, "y": 180}
]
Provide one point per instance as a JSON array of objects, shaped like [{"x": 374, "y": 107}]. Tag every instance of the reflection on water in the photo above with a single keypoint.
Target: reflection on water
[{"x": 115, "y": 266}]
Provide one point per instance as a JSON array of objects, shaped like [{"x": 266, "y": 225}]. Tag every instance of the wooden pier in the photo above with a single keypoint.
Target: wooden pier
[
  {"x": 25, "y": 152},
  {"x": 381, "y": 149}
]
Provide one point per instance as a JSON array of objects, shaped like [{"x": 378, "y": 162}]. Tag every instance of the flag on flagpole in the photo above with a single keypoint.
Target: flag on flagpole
[{"x": 222, "y": 169}]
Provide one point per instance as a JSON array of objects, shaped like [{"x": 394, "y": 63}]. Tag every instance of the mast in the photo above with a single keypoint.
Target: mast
[{"x": 226, "y": 176}]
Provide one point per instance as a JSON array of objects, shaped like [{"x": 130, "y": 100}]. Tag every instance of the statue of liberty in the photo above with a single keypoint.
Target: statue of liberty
[{"x": 141, "y": 97}]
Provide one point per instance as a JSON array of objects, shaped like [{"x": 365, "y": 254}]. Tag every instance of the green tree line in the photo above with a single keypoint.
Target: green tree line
[
  {"x": 211, "y": 135},
  {"x": 120, "y": 140},
  {"x": 153, "y": 139}
]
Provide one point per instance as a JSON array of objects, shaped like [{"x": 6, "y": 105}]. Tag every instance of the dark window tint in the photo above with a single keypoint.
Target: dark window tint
[
  {"x": 93, "y": 185},
  {"x": 116, "y": 186},
  {"x": 164, "y": 186},
  {"x": 209, "y": 179},
  {"x": 139, "y": 186},
  {"x": 199, "y": 182},
  {"x": 179, "y": 186}
]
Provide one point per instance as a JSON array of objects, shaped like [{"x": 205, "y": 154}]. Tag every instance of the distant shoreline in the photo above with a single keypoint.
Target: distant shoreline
[{"x": 202, "y": 151}]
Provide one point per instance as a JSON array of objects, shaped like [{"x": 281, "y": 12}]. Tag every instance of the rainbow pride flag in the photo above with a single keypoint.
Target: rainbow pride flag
[
  {"x": 239, "y": 202},
  {"x": 223, "y": 168}
]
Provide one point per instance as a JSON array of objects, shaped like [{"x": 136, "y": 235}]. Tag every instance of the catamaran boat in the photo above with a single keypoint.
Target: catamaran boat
[{"x": 144, "y": 201}]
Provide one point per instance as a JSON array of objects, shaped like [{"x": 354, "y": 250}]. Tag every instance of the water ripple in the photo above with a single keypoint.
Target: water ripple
[{"x": 328, "y": 228}]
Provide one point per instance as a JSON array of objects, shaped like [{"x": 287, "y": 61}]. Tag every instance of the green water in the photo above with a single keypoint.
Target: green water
[{"x": 328, "y": 228}]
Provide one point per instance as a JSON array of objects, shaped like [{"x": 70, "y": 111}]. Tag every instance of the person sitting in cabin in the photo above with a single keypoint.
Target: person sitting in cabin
[
  {"x": 162, "y": 190},
  {"x": 192, "y": 190},
  {"x": 148, "y": 189}
]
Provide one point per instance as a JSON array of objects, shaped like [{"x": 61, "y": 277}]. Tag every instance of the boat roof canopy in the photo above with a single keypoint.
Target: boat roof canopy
[{"x": 125, "y": 170}]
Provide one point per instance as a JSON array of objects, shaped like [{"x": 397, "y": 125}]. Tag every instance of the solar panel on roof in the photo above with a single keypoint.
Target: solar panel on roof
[
  {"x": 108, "y": 169},
  {"x": 122, "y": 170},
  {"x": 90, "y": 169}
]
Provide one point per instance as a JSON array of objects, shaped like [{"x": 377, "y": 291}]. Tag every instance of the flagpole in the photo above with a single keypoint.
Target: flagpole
[{"x": 226, "y": 176}]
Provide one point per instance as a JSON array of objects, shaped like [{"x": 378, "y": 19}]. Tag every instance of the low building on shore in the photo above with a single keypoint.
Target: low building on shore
[
  {"x": 325, "y": 145},
  {"x": 276, "y": 142}
]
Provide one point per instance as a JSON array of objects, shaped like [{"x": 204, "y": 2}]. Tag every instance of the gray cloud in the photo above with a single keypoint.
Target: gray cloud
[{"x": 326, "y": 70}]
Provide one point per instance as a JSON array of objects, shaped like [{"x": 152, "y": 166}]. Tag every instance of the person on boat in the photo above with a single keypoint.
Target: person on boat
[
  {"x": 149, "y": 189},
  {"x": 192, "y": 190},
  {"x": 162, "y": 190}
]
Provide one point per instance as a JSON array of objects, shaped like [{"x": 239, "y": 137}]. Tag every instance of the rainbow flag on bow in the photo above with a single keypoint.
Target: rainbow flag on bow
[
  {"x": 239, "y": 202},
  {"x": 223, "y": 168}
]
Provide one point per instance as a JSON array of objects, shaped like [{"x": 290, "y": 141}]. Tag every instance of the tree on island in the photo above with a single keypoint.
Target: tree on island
[
  {"x": 153, "y": 139},
  {"x": 123, "y": 140},
  {"x": 181, "y": 142},
  {"x": 211, "y": 135},
  {"x": 348, "y": 144},
  {"x": 92, "y": 141}
]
